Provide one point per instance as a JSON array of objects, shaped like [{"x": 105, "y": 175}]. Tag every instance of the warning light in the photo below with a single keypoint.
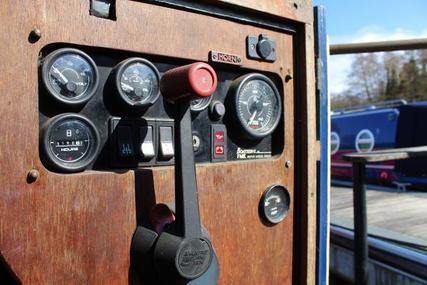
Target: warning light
[{"x": 219, "y": 150}]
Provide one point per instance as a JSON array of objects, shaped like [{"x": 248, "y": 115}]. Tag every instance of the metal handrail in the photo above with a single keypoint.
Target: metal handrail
[
  {"x": 359, "y": 161},
  {"x": 378, "y": 46}
]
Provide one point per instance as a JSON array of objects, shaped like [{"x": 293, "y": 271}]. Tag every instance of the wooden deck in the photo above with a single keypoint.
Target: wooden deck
[{"x": 395, "y": 215}]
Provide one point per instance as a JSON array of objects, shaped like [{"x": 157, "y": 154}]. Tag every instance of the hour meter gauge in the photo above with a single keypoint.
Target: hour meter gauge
[
  {"x": 70, "y": 142},
  {"x": 70, "y": 76},
  {"x": 200, "y": 104},
  {"x": 137, "y": 82},
  {"x": 257, "y": 105}
]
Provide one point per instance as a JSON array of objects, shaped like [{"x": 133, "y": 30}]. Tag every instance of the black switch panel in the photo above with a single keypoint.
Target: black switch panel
[{"x": 140, "y": 142}]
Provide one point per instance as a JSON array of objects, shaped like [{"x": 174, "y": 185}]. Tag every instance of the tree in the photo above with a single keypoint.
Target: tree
[
  {"x": 392, "y": 63},
  {"x": 410, "y": 81},
  {"x": 367, "y": 76},
  {"x": 378, "y": 77}
]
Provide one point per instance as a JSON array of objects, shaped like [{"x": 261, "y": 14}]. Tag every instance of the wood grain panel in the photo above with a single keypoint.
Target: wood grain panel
[
  {"x": 77, "y": 228},
  {"x": 301, "y": 11}
]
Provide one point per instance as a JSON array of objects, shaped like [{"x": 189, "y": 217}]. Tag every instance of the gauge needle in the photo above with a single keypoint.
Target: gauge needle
[
  {"x": 252, "y": 117},
  {"x": 64, "y": 79},
  {"x": 126, "y": 86}
]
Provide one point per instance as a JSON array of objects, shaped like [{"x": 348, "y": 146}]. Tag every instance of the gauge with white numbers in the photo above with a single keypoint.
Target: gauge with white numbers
[
  {"x": 257, "y": 104},
  {"x": 70, "y": 76},
  {"x": 137, "y": 82},
  {"x": 70, "y": 142}
]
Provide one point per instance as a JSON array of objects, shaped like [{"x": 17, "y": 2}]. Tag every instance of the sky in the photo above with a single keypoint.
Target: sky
[{"x": 352, "y": 21}]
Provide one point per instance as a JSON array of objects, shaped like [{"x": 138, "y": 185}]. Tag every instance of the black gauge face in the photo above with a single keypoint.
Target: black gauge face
[
  {"x": 201, "y": 104},
  {"x": 258, "y": 105},
  {"x": 275, "y": 204},
  {"x": 70, "y": 142},
  {"x": 70, "y": 76},
  {"x": 138, "y": 82}
]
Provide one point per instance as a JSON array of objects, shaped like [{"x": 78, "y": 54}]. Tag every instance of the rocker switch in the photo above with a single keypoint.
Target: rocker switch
[
  {"x": 124, "y": 140},
  {"x": 166, "y": 142},
  {"x": 147, "y": 144}
]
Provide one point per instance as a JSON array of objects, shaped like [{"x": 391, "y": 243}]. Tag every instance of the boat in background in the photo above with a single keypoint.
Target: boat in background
[{"x": 390, "y": 124}]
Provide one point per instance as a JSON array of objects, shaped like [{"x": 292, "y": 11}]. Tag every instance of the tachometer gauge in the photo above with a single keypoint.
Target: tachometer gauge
[
  {"x": 257, "y": 104},
  {"x": 137, "y": 82},
  {"x": 70, "y": 142},
  {"x": 70, "y": 76}
]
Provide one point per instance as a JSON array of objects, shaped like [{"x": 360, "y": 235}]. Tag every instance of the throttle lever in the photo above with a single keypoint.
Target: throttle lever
[
  {"x": 179, "y": 86},
  {"x": 183, "y": 254}
]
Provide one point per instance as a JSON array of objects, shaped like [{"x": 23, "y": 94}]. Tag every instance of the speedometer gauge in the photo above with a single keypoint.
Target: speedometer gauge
[
  {"x": 70, "y": 76},
  {"x": 257, "y": 104},
  {"x": 137, "y": 82}
]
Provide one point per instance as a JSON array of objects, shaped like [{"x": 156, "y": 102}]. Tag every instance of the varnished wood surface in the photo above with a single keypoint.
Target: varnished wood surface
[
  {"x": 77, "y": 228},
  {"x": 400, "y": 215},
  {"x": 301, "y": 11},
  {"x": 308, "y": 148}
]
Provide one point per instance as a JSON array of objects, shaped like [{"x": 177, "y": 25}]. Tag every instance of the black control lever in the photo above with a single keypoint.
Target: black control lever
[{"x": 182, "y": 254}]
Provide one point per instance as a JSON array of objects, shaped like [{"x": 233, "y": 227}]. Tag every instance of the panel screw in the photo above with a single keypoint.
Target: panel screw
[
  {"x": 288, "y": 164},
  {"x": 33, "y": 175},
  {"x": 34, "y": 36}
]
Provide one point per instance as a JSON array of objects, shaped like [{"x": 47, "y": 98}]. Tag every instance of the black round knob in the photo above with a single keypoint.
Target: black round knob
[
  {"x": 217, "y": 110},
  {"x": 264, "y": 47}
]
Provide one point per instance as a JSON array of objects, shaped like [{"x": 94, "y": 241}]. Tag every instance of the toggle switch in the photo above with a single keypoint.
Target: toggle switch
[
  {"x": 166, "y": 142},
  {"x": 147, "y": 143},
  {"x": 124, "y": 142}
]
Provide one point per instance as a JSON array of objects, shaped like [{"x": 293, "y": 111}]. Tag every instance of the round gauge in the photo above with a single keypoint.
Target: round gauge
[
  {"x": 70, "y": 142},
  {"x": 70, "y": 76},
  {"x": 201, "y": 104},
  {"x": 137, "y": 82},
  {"x": 257, "y": 104},
  {"x": 274, "y": 204}
]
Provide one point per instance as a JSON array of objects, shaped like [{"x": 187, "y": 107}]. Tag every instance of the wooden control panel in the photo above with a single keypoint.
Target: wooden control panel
[{"x": 58, "y": 227}]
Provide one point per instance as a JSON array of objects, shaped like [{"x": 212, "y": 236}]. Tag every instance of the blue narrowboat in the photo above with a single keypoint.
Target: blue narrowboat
[{"x": 392, "y": 124}]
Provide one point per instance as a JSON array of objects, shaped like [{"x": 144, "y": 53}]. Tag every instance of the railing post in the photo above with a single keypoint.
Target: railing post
[{"x": 360, "y": 224}]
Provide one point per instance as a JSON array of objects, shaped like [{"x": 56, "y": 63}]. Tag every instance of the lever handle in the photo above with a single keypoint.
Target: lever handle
[
  {"x": 182, "y": 254},
  {"x": 181, "y": 85},
  {"x": 185, "y": 83},
  {"x": 182, "y": 251}
]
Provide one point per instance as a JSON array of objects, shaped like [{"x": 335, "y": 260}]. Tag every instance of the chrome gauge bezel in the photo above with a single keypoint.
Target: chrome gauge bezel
[
  {"x": 121, "y": 68},
  {"x": 47, "y": 63},
  {"x": 201, "y": 105},
  {"x": 237, "y": 87},
  {"x": 282, "y": 209},
  {"x": 59, "y": 164}
]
